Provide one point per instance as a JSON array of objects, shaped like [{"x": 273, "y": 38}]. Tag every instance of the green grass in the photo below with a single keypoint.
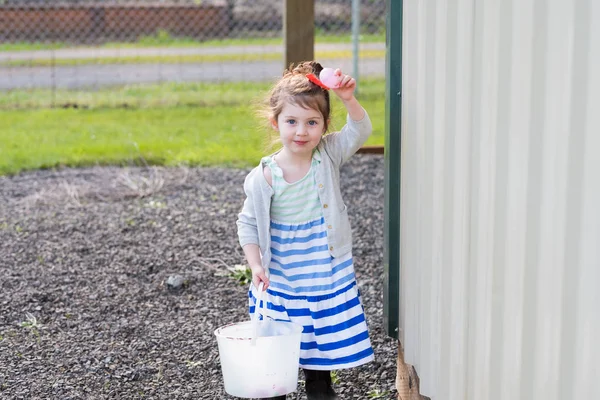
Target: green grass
[
  {"x": 163, "y": 39},
  {"x": 166, "y": 95},
  {"x": 169, "y": 124},
  {"x": 181, "y": 59}
]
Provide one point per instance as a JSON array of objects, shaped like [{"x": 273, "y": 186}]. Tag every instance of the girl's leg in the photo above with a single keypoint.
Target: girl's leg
[
  {"x": 318, "y": 385},
  {"x": 277, "y": 398}
]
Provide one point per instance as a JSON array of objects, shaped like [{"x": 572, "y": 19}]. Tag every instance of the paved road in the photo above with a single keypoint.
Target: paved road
[{"x": 95, "y": 76}]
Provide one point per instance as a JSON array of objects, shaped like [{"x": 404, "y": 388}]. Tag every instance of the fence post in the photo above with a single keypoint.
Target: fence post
[
  {"x": 299, "y": 31},
  {"x": 230, "y": 16},
  {"x": 355, "y": 39},
  {"x": 393, "y": 109}
]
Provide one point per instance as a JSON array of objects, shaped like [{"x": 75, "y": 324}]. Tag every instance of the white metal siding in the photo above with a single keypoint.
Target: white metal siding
[{"x": 500, "y": 224}]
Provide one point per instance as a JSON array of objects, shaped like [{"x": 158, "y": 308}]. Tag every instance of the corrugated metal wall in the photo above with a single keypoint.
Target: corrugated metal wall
[{"x": 500, "y": 223}]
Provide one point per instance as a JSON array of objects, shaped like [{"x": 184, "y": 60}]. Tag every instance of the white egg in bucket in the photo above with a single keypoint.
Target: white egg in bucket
[{"x": 259, "y": 358}]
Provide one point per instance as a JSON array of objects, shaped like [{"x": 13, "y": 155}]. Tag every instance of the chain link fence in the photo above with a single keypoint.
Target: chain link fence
[{"x": 78, "y": 51}]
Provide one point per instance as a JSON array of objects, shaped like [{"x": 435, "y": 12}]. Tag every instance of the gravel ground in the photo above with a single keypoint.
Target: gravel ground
[{"x": 86, "y": 310}]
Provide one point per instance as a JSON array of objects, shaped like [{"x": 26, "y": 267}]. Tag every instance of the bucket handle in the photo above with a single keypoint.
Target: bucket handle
[{"x": 255, "y": 317}]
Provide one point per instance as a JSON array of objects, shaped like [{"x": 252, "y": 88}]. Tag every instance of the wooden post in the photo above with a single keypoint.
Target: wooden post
[
  {"x": 299, "y": 31},
  {"x": 407, "y": 380}
]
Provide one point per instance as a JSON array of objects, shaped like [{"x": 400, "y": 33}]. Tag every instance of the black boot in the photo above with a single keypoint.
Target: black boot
[
  {"x": 277, "y": 398},
  {"x": 318, "y": 385}
]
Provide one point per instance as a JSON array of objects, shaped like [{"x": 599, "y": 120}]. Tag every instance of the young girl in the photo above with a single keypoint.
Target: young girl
[{"x": 294, "y": 226}]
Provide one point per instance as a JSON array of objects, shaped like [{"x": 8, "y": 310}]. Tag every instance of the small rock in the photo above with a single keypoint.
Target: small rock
[{"x": 175, "y": 282}]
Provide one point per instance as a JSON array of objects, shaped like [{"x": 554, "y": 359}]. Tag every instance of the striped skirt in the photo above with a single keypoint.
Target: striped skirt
[{"x": 319, "y": 292}]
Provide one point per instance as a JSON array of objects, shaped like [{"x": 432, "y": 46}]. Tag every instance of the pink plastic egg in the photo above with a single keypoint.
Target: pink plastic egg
[{"x": 329, "y": 78}]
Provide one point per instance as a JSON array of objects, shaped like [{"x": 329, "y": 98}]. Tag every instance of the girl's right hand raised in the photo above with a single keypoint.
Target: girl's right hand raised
[{"x": 258, "y": 276}]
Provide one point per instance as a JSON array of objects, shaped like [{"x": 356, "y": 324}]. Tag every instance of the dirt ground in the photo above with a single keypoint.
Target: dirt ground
[{"x": 85, "y": 256}]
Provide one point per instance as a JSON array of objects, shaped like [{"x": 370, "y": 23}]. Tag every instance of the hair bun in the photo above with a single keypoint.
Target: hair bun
[{"x": 304, "y": 67}]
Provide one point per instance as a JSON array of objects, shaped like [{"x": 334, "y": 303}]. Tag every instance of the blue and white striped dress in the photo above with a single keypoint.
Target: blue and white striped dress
[{"x": 307, "y": 285}]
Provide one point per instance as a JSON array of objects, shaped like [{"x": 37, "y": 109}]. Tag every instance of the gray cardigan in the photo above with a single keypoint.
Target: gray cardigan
[{"x": 334, "y": 150}]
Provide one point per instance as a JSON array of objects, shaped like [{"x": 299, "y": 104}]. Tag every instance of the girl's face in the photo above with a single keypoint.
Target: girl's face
[{"x": 300, "y": 129}]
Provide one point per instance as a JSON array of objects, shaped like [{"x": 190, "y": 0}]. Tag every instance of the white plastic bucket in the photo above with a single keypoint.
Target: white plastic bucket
[{"x": 259, "y": 358}]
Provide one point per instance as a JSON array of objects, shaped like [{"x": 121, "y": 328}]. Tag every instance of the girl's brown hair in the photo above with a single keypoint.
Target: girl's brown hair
[{"x": 295, "y": 88}]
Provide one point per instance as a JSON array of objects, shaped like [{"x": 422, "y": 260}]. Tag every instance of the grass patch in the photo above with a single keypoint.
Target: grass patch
[
  {"x": 241, "y": 274},
  {"x": 180, "y": 59},
  {"x": 32, "y": 46},
  {"x": 161, "y": 96},
  {"x": 170, "y": 124},
  {"x": 163, "y": 39}
]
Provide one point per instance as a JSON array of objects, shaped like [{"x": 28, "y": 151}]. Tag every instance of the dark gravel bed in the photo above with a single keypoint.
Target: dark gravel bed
[{"x": 86, "y": 309}]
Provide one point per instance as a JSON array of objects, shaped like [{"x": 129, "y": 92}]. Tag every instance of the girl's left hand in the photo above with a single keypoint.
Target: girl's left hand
[{"x": 345, "y": 90}]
